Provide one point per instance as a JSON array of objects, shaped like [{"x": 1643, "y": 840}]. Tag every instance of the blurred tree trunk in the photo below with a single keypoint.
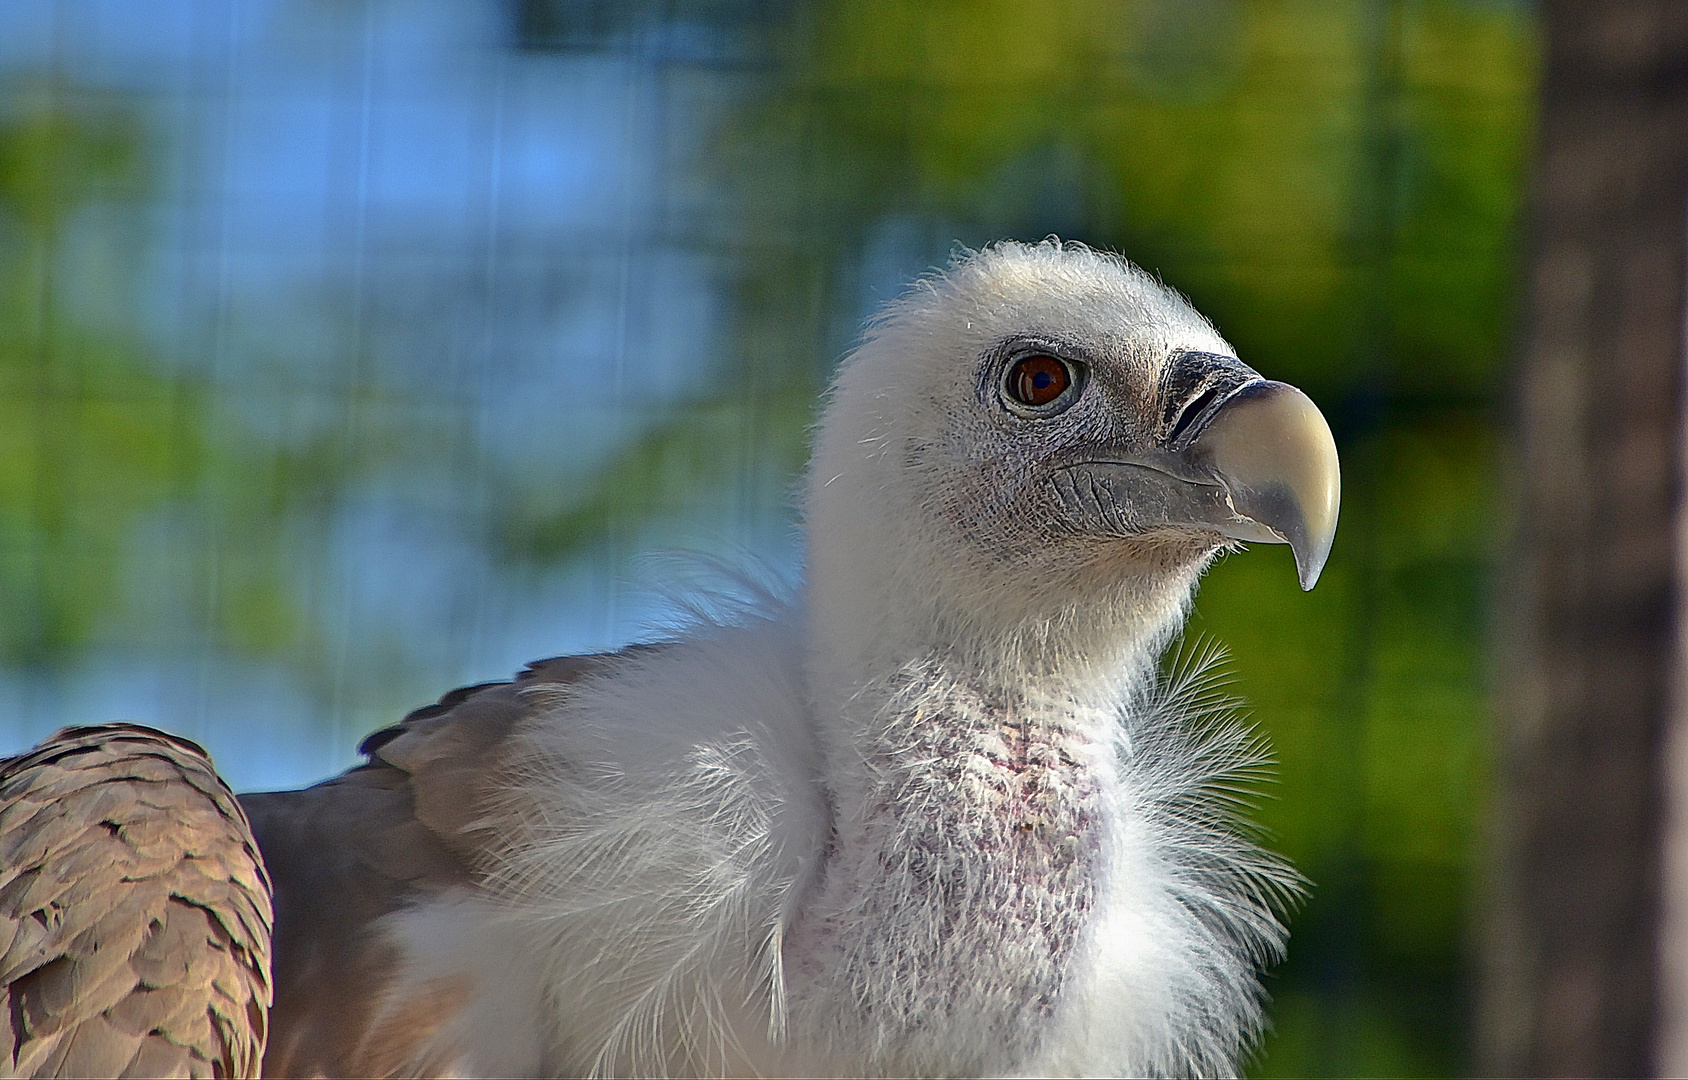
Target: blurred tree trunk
[{"x": 1573, "y": 984}]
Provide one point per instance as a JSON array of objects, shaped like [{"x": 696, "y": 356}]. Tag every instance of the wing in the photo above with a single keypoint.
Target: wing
[
  {"x": 367, "y": 843},
  {"x": 134, "y": 911}
]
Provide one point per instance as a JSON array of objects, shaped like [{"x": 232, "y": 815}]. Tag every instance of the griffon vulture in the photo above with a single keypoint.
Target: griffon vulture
[{"x": 936, "y": 813}]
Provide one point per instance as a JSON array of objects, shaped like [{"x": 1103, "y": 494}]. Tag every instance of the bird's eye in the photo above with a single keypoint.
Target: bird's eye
[{"x": 1036, "y": 381}]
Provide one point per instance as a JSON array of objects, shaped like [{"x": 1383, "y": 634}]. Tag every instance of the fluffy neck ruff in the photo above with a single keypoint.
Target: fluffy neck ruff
[{"x": 963, "y": 877}]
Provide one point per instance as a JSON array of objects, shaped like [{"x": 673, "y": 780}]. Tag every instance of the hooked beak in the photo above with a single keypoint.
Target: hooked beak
[
  {"x": 1259, "y": 465},
  {"x": 1269, "y": 447}
]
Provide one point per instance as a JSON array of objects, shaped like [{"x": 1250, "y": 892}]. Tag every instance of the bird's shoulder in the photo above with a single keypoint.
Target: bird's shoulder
[
  {"x": 134, "y": 911},
  {"x": 651, "y": 830},
  {"x": 601, "y": 795},
  {"x": 407, "y": 824},
  {"x": 458, "y": 755},
  {"x": 680, "y": 744}
]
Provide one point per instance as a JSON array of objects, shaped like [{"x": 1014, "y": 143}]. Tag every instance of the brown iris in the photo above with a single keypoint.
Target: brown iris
[{"x": 1037, "y": 380}]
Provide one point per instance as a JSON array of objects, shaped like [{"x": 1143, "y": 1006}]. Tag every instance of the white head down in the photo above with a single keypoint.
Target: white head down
[{"x": 1029, "y": 461}]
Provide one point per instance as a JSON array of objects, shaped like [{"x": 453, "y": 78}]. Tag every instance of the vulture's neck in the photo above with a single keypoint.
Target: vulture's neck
[
  {"x": 878, "y": 641},
  {"x": 973, "y": 764},
  {"x": 878, "y": 601}
]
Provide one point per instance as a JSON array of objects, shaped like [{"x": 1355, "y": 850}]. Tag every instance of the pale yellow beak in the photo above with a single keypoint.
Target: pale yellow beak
[{"x": 1271, "y": 450}]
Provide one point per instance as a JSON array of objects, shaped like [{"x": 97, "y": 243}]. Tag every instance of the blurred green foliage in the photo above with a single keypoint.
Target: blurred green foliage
[
  {"x": 90, "y": 432},
  {"x": 103, "y": 438}
]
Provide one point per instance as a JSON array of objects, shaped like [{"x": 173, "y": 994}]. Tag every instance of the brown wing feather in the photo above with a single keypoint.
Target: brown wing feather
[
  {"x": 134, "y": 911},
  {"x": 365, "y": 844}
]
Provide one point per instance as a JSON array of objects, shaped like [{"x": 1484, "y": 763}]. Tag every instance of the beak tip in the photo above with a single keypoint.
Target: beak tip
[{"x": 1312, "y": 552}]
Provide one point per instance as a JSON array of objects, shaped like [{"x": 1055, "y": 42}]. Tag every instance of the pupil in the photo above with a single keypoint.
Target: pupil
[{"x": 1042, "y": 380}]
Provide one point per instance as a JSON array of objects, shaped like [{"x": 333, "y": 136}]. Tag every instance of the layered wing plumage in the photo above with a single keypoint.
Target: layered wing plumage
[
  {"x": 381, "y": 837},
  {"x": 134, "y": 911}
]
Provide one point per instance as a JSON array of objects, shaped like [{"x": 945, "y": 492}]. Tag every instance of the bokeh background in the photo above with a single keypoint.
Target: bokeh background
[{"x": 351, "y": 350}]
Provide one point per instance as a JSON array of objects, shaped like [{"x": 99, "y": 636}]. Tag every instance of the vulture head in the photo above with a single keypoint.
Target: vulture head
[{"x": 1031, "y": 458}]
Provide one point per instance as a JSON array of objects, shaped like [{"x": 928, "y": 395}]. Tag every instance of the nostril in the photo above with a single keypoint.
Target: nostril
[{"x": 1192, "y": 410}]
